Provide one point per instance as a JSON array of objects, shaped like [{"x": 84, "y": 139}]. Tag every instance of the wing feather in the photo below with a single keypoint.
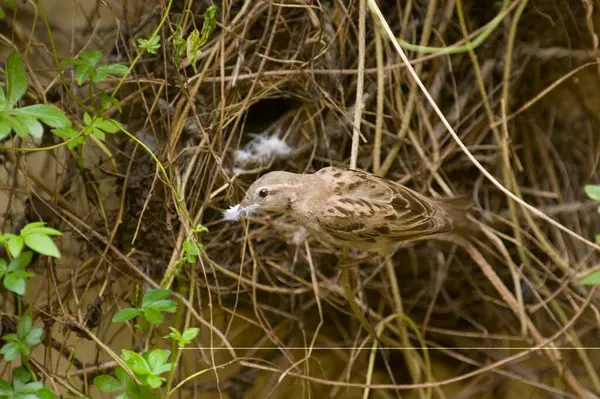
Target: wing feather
[{"x": 367, "y": 208}]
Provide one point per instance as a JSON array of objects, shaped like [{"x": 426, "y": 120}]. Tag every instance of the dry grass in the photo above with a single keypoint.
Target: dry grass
[{"x": 499, "y": 315}]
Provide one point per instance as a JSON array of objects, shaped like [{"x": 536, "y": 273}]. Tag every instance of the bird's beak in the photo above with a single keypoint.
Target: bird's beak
[{"x": 245, "y": 203}]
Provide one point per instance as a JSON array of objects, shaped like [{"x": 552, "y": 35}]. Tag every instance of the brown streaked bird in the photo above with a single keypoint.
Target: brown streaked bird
[{"x": 351, "y": 208}]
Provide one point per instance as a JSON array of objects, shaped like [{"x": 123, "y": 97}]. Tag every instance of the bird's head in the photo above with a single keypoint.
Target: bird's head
[{"x": 273, "y": 192}]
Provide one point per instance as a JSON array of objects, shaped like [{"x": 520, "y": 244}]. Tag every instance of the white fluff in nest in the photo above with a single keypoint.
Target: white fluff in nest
[
  {"x": 235, "y": 212},
  {"x": 261, "y": 150}
]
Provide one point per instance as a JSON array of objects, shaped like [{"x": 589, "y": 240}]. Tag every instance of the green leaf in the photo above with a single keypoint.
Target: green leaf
[
  {"x": 83, "y": 73},
  {"x": 113, "y": 69},
  {"x": 190, "y": 333},
  {"x": 591, "y": 279},
  {"x": 99, "y": 134},
  {"x": 15, "y": 245},
  {"x": 10, "y": 351},
  {"x": 19, "y": 127},
  {"x": 150, "y": 45},
  {"x": 24, "y": 326},
  {"x": 34, "y": 337},
  {"x": 20, "y": 261},
  {"x": 209, "y": 24},
  {"x": 2, "y": 101},
  {"x": 153, "y": 316},
  {"x": 593, "y": 191},
  {"x": 87, "y": 119},
  {"x": 45, "y": 393},
  {"x": 126, "y": 314},
  {"x": 5, "y": 388},
  {"x": 5, "y": 128},
  {"x": 33, "y": 126},
  {"x": 49, "y": 114},
  {"x": 108, "y": 383},
  {"x": 135, "y": 362},
  {"x": 154, "y": 381},
  {"x": 109, "y": 126},
  {"x": 41, "y": 230},
  {"x": 154, "y": 295},
  {"x": 32, "y": 225},
  {"x": 164, "y": 305},
  {"x": 69, "y": 135},
  {"x": 2, "y": 15},
  {"x": 11, "y": 338},
  {"x": 16, "y": 79},
  {"x": 201, "y": 229},
  {"x": 158, "y": 357},
  {"x": 21, "y": 375},
  {"x": 42, "y": 244},
  {"x": 122, "y": 376},
  {"x": 163, "y": 368},
  {"x": 15, "y": 284},
  {"x": 91, "y": 57},
  {"x": 108, "y": 101}
]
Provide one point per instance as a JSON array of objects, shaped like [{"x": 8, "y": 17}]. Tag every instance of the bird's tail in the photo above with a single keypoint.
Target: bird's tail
[{"x": 459, "y": 208}]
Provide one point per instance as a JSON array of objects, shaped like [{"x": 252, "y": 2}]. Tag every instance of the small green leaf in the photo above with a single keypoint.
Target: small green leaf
[
  {"x": 158, "y": 357},
  {"x": 71, "y": 136},
  {"x": 5, "y": 388},
  {"x": 153, "y": 316},
  {"x": 108, "y": 101},
  {"x": 45, "y": 393},
  {"x": 24, "y": 326},
  {"x": 19, "y": 127},
  {"x": 34, "y": 336},
  {"x": 109, "y": 126},
  {"x": 190, "y": 333},
  {"x": 154, "y": 295},
  {"x": 126, "y": 314},
  {"x": 20, "y": 261},
  {"x": 49, "y": 114},
  {"x": 113, "y": 69},
  {"x": 150, "y": 45},
  {"x": 41, "y": 230},
  {"x": 108, "y": 383},
  {"x": 15, "y": 284},
  {"x": 91, "y": 57},
  {"x": 164, "y": 305},
  {"x": 32, "y": 225},
  {"x": 591, "y": 279},
  {"x": 209, "y": 24},
  {"x": 2, "y": 15},
  {"x": 5, "y": 128},
  {"x": 15, "y": 245},
  {"x": 87, "y": 119},
  {"x": 122, "y": 376},
  {"x": 135, "y": 362},
  {"x": 21, "y": 375},
  {"x": 16, "y": 79},
  {"x": 593, "y": 191},
  {"x": 10, "y": 351},
  {"x": 33, "y": 126},
  {"x": 42, "y": 244},
  {"x": 154, "y": 381},
  {"x": 163, "y": 368}
]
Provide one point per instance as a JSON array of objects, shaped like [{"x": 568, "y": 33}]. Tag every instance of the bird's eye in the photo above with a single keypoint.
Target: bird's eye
[{"x": 263, "y": 193}]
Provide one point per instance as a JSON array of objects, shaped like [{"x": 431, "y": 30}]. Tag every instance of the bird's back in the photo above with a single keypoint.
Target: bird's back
[{"x": 370, "y": 213}]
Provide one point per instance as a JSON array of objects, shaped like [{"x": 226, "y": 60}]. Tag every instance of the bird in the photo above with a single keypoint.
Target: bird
[{"x": 351, "y": 208}]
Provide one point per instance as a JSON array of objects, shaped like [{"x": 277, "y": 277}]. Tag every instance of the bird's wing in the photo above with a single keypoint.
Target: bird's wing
[{"x": 365, "y": 207}]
